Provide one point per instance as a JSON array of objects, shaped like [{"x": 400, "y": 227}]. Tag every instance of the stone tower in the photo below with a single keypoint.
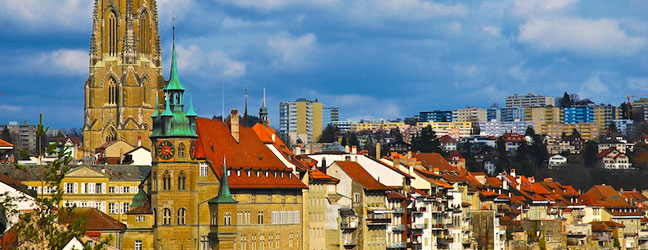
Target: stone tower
[{"x": 125, "y": 73}]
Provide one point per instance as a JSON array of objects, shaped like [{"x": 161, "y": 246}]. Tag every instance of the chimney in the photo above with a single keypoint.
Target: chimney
[
  {"x": 505, "y": 185},
  {"x": 323, "y": 166},
  {"x": 512, "y": 172},
  {"x": 274, "y": 137},
  {"x": 354, "y": 150},
  {"x": 409, "y": 154},
  {"x": 347, "y": 158},
  {"x": 396, "y": 162},
  {"x": 435, "y": 171},
  {"x": 347, "y": 149},
  {"x": 234, "y": 124},
  {"x": 378, "y": 151},
  {"x": 139, "y": 141}
]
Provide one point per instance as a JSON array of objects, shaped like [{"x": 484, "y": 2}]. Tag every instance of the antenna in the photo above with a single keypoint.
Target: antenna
[
  {"x": 263, "y": 96},
  {"x": 223, "y": 104},
  {"x": 173, "y": 26}
]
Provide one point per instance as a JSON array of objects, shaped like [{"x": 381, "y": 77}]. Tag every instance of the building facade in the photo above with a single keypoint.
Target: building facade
[
  {"x": 588, "y": 131},
  {"x": 544, "y": 115},
  {"x": 300, "y": 120},
  {"x": 330, "y": 115},
  {"x": 578, "y": 114},
  {"x": 529, "y": 100},
  {"x": 474, "y": 115},
  {"x": 25, "y": 134},
  {"x": 435, "y": 116},
  {"x": 500, "y": 128},
  {"x": 125, "y": 73}
]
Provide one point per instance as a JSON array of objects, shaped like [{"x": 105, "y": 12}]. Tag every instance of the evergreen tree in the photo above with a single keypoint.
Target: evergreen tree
[
  {"x": 589, "y": 152},
  {"x": 613, "y": 128},
  {"x": 328, "y": 135},
  {"x": 344, "y": 141},
  {"x": 6, "y": 135},
  {"x": 396, "y": 134},
  {"x": 353, "y": 140},
  {"x": 502, "y": 156},
  {"x": 426, "y": 142},
  {"x": 566, "y": 101}
]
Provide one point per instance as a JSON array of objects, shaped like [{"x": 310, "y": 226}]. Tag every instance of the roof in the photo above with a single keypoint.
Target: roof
[
  {"x": 248, "y": 154},
  {"x": 4, "y": 143},
  {"x": 446, "y": 138},
  {"x": 605, "y": 226},
  {"x": 606, "y": 152},
  {"x": 321, "y": 176},
  {"x": 114, "y": 172},
  {"x": 137, "y": 148},
  {"x": 606, "y": 196},
  {"x": 433, "y": 160},
  {"x": 96, "y": 220},
  {"x": 360, "y": 175},
  {"x": 635, "y": 196}
]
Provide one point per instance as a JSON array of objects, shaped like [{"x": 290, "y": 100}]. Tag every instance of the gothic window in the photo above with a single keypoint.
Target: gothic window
[
  {"x": 113, "y": 91},
  {"x": 144, "y": 34},
  {"x": 111, "y": 135},
  {"x": 182, "y": 181},
  {"x": 145, "y": 90},
  {"x": 181, "y": 150},
  {"x": 155, "y": 181},
  {"x": 166, "y": 181},
  {"x": 166, "y": 217},
  {"x": 181, "y": 216},
  {"x": 113, "y": 34}
]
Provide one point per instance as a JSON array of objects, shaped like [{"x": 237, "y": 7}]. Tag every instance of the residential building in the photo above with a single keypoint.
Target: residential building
[
  {"x": 578, "y": 114},
  {"x": 436, "y": 116},
  {"x": 623, "y": 125},
  {"x": 448, "y": 143},
  {"x": 454, "y": 129},
  {"x": 498, "y": 128},
  {"x": 5, "y": 152},
  {"x": 138, "y": 156},
  {"x": 125, "y": 81},
  {"x": 300, "y": 120},
  {"x": 528, "y": 101},
  {"x": 588, "y": 131},
  {"x": 343, "y": 126},
  {"x": 611, "y": 158},
  {"x": 473, "y": 115},
  {"x": 616, "y": 141},
  {"x": 25, "y": 135},
  {"x": 513, "y": 140},
  {"x": 557, "y": 161},
  {"x": 544, "y": 115},
  {"x": 330, "y": 115},
  {"x": 493, "y": 114},
  {"x": 604, "y": 115},
  {"x": 513, "y": 114}
]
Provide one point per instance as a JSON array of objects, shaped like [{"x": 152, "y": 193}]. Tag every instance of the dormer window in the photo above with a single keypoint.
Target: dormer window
[
  {"x": 249, "y": 172},
  {"x": 229, "y": 172},
  {"x": 238, "y": 172},
  {"x": 266, "y": 174},
  {"x": 282, "y": 175},
  {"x": 258, "y": 173},
  {"x": 275, "y": 174},
  {"x": 290, "y": 176}
]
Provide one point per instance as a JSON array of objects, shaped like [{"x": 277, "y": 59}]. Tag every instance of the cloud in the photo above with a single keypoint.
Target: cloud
[
  {"x": 274, "y": 5},
  {"x": 595, "y": 88},
  {"x": 194, "y": 60},
  {"x": 402, "y": 10},
  {"x": 291, "y": 52},
  {"x": 10, "y": 108},
  {"x": 47, "y": 15},
  {"x": 528, "y": 8},
  {"x": 586, "y": 36},
  {"x": 638, "y": 83},
  {"x": 492, "y": 30},
  {"x": 65, "y": 62}
]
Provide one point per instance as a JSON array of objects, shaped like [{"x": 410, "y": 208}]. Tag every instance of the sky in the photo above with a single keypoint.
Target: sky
[{"x": 371, "y": 58}]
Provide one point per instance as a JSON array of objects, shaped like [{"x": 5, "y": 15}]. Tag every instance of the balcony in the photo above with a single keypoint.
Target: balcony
[
  {"x": 438, "y": 227},
  {"x": 575, "y": 230},
  {"x": 399, "y": 210},
  {"x": 445, "y": 240},
  {"x": 375, "y": 219},
  {"x": 397, "y": 245},
  {"x": 398, "y": 228},
  {"x": 350, "y": 242},
  {"x": 419, "y": 226},
  {"x": 349, "y": 226}
]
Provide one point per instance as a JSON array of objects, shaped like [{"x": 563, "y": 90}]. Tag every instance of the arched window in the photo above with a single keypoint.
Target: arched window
[
  {"x": 113, "y": 34},
  {"x": 182, "y": 181},
  {"x": 166, "y": 217},
  {"x": 113, "y": 93},
  {"x": 181, "y": 216},
  {"x": 144, "y": 34},
  {"x": 145, "y": 90},
  {"x": 166, "y": 181},
  {"x": 111, "y": 135},
  {"x": 181, "y": 150}
]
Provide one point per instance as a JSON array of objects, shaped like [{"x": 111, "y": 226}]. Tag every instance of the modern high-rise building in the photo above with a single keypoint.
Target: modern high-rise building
[
  {"x": 604, "y": 115},
  {"x": 300, "y": 120},
  {"x": 330, "y": 115},
  {"x": 493, "y": 114},
  {"x": 543, "y": 115},
  {"x": 435, "y": 116},
  {"x": 578, "y": 114},
  {"x": 25, "y": 135},
  {"x": 498, "y": 129},
  {"x": 473, "y": 115},
  {"x": 513, "y": 114},
  {"x": 528, "y": 101}
]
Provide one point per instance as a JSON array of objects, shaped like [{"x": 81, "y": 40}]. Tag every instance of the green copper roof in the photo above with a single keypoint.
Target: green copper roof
[
  {"x": 167, "y": 108},
  {"x": 224, "y": 195},
  {"x": 174, "y": 82},
  {"x": 140, "y": 198},
  {"x": 156, "y": 111},
  {"x": 191, "y": 111}
]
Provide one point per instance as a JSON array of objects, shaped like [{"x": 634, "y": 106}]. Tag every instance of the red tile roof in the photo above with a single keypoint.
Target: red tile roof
[
  {"x": 248, "y": 154},
  {"x": 5, "y": 144},
  {"x": 96, "y": 220},
  {"x": 433, "y": 160},
  {"x": 606, "y": 196},
  {"x": 321, "y": 176},
  {"x": 636, "y": 196},
  {"x": 360, "y": 175}
]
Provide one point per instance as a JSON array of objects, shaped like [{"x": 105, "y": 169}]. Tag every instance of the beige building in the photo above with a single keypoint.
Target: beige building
[
  {"x": 125, "y": 73},
  {"x": 588, "y": 131},
  {"x": 384, "y": 125},
  {"x": 604, "y": 115},
  {"x": 452, "y": 129},
  {"x": 543, "y": 115},
  {"x": 473, "y": 115},
  {"x": 300, "y": 120}
]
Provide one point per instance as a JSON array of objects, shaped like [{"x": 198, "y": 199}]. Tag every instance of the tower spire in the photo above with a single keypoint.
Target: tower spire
[
  {"x": 263, "y": 111},
  {"x": 129, "y": 39},
  {"x": 224, "y": 194},
  {"x": 245, "y": 113}
]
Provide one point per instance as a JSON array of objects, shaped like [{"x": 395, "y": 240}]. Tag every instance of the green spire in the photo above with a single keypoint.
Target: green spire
[
  {"x": 167, "y": 109},
  {"x": 191, "y": 111},
  {"x": 224, "y": 195},
  {"x": 156, "y": 112},
  {"x": 174, "y": 82},
  {"x": 140, "y": 198}
]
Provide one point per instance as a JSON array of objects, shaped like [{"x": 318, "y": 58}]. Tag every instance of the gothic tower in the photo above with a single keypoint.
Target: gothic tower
[{"x": 125, "y": 73}]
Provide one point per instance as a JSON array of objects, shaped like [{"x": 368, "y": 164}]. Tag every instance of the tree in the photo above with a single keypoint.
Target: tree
[
  {"x": 328, "y": 135},
  {"x": 6, "y": 135},
  {"x": 344, "y": 141},
  {"x": 396, "y": 134},
  {"x": 475, "y": 129},
  {"x": 589, "y": 152},
  {"x": 576, "y": 133},
  {"x": 426, "y": 142},
  {"x": 50, "y": 225},
  {"x": 566, "y": 100},
  {"x": 353, "y": 140},
  {"x": 613, "y": 128},
  {"x": 502, "y": 155}
]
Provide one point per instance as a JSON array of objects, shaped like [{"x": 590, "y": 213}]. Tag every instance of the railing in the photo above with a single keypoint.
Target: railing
[
  {"x": 445, "y": 240},
  {"x": 397, "y": 244},
  {"x": 352, "y": 225},
  {"x": 350, "y": 242},
  {"x": 398, "y": 228},
  {"x": 419, "y": 226},
  {"x": 399, "y": 210},
  {"x": 438, "y": 227}
]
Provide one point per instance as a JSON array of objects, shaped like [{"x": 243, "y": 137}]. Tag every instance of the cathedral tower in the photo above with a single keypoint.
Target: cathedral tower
[{"x": 125, "y": 73}]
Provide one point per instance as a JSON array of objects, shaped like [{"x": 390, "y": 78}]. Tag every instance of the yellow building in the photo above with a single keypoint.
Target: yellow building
[
  {"x": 453, "y": 129},
  {"x": 604, "y": 115},
  {"x": 588, "y": 131},
  {"x": 542, "y": 115},
  {"x": 125, "y": 73},
  {"x": 361, "y": 126},
  {"x": 108, "y": 188},
  {"x": 300, "y": 120}
]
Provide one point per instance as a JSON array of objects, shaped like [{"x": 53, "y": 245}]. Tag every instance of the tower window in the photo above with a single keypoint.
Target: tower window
[
  {"x": 182, "y": 181},
  {"x": 166, "y": 181},
  {"x": 181, "y": 216},
  {"x": 113, "y": 34},
  {"x": 166, "y": 217},
  {"x": 181, "y": 150},
  {"x": 144, "y": 34}
]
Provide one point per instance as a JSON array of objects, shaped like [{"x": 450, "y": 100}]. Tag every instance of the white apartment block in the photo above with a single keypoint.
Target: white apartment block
[{"x": 529, "y": 100}]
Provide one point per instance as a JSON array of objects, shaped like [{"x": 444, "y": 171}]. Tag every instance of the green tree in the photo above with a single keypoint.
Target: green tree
[
  {"x": 502, "y": 155},
  {"x": 589, "y": 152},
  {"x": 344, "y": 141},
  {"x": 426, "y": 142},
  {"x": 50, "y": 225},
  {"x": 613, "y": 128},
  {"x": 328, "y": 135},
  {"x": 566, "y": 100},
  {"x": 353, "y": 140},
  {"x": 6, "y": 135},
  {"x": 396, "y": 134}
]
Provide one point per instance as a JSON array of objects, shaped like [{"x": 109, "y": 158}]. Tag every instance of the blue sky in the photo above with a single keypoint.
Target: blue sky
[{"x": 372, "y": 58}]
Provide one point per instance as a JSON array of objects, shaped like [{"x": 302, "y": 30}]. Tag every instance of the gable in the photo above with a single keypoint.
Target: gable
[{"x": 86, "y": 172}]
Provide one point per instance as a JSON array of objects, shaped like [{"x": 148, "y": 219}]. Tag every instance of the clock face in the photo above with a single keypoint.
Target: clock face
[
  {"x": 192, "y": 150},
  {"x": 165, "y": 150}
]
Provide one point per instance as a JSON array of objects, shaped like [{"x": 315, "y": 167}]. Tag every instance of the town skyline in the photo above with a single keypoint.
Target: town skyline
[{"x": 434, "y": 48}]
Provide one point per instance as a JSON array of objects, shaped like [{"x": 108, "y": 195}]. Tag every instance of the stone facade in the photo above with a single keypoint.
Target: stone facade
[{"x": 125, "y": 73}]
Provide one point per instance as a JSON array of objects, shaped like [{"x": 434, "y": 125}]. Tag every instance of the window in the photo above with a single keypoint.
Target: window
[
  {"x": 239, "y": 218},
  {"x": 166, "y": 181},
  {"x": 204, "y": 243},
  {"x": 112, "y": 208},
  {"x": 181, "y": 150},
  {"x": 214, "y": 219},
  {"x": 182, "y": 180},
  {"x": 69, "y": 188},
  {"x": 138, "y": 245},
  {"x": 127, "y": 190},
  {"x": 181, "y": 216},
  {"x": 203, "y": 169},
  {"x": 261, "y": 242},
  {"x": 125, "y": 207},
  {"x": 166, "y": 217},
  {"x": 356, "y": 197},
  {"x": 113, "y": 34},
  {"x": 260, "y": 217},
  {"x": 140, "y": 218},
  {"x": 227, "y": 218},
  {"x": 99, "y": 188},
  {"x": 144, "y": 34},
  {"x": 111, "y": 190}
]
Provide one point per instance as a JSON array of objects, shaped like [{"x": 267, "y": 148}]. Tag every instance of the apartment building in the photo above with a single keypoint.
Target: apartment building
[
  {"x": 544, "y": 115},
  {"x": 604, "y": 115},
  {"x": 474, "y": 115},
  {"x": 376, "y": 125},
  {"x": 578, "y": 114},
  {"x": 528, "y": 101},
  {"x": 25, "y": 135},
  {"x": 453, "y": 129},
  {"x": 513, "y": 114},
  {"x": 588, "y": 131},
  {"x": 301, "y": 120},
  {"x": 435, "y": 116},
  {"x": 330, "y": 115},
  {"x": 498, "y": 128}
]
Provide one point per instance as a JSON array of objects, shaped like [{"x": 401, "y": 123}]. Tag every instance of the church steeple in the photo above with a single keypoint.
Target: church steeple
[
  {"x": 263, "y": 111},
  {"x": 245, "y": 113}
]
